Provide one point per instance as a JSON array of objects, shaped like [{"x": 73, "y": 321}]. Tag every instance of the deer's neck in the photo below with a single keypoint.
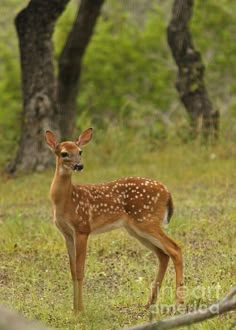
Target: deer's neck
[{"x": 61, "y": 187}]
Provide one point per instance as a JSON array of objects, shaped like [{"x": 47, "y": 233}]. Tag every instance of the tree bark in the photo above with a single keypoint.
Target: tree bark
[
  {"x": 70, "y": 63},
  {"x": 34, "y": 26},
  {"x": 190, "y": 81}
]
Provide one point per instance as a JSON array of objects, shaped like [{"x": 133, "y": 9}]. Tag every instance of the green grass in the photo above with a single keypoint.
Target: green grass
[{"x": 34, "y": 270}]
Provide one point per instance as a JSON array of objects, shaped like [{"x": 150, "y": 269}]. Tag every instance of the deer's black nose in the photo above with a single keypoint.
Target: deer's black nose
[{"x": 78, "y": 167}]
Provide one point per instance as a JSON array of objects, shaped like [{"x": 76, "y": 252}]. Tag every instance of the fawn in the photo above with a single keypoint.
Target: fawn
[{"x": 139, "y": 205}]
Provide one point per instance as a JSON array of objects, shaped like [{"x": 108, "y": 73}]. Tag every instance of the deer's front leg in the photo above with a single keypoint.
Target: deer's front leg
[
  {"x": 80, "y": 256},
  {"x": 69, "y": 239}
]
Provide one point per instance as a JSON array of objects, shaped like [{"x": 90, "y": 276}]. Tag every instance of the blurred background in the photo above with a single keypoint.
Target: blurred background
[{"x": 126, "y": 87}]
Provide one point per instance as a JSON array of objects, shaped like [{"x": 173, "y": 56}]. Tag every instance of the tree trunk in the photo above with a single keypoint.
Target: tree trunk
[
  {"x": 190, "y": 81},
  {"x": 70, "y": 63},
  {"x": 35, "y": 26}
]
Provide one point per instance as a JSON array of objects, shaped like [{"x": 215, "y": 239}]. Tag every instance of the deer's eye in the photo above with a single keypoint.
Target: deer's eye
[
  {"x": 80, "y": 152},
  {"x": 64, "y": 154}
]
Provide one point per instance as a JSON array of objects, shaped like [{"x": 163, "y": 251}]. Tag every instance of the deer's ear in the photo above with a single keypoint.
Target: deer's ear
[
  {"x": 84, "y": 137},
  {"x": 51, "y": 140}
]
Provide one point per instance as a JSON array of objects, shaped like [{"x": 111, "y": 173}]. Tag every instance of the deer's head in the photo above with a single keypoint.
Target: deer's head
[{"x": 69, "y": 153}]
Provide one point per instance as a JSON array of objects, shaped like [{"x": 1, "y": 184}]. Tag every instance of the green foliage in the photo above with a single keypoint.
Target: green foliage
[
  {"x": 10, "y": 89},
  {"x": 214, "y": 31},
  {"x": 128, "y": 76},
  {"x": 126, "y": 72},
  {"x": 63, "y": 27}
]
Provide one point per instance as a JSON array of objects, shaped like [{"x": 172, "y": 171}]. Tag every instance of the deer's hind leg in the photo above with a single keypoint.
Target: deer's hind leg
[
  {"x": 160, "y": 272},
  {"x": 156, "y": 236}
]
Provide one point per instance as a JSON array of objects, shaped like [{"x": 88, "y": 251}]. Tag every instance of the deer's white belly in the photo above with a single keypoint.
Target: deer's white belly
[{"x": 108, "y": 227}]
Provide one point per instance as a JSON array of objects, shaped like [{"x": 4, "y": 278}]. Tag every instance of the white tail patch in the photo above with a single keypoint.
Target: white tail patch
[{"x": 165, "y": 219}]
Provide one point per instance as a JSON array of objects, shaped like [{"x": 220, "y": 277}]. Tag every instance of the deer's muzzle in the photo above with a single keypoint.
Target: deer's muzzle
[{"x": 78, "y": 167}]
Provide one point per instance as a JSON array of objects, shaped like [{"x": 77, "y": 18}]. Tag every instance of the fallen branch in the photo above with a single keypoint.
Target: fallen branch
[
  {"x": 227, "y": 304},
  {"x": 10, "y": 320}
]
